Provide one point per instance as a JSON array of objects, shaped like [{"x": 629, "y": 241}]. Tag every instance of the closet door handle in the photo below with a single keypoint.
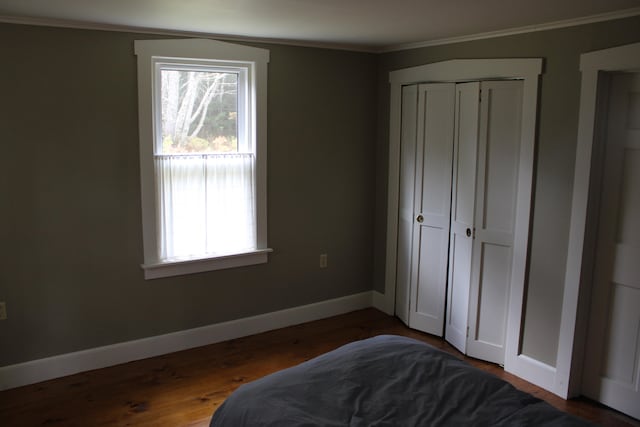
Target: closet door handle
[
  {"x": 468, "y": 232},
  {"x": 420, "y": 218}
]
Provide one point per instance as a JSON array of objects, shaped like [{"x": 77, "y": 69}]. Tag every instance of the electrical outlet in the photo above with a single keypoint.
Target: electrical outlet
[
  {"x": 323, "y": 260},
  {"x": 3, "y": 310}
]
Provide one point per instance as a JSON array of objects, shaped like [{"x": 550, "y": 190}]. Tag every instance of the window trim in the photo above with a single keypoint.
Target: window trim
[{"x": 149, "y": 52}]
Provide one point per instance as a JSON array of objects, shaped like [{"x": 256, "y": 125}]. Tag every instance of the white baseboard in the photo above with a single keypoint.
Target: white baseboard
[
  {"x": 383, "y": 303},
  {"x": 71, "y": 363},
  {"x": 534, "y": 371}
]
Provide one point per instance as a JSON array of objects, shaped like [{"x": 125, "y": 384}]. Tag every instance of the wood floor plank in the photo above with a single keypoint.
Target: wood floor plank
[{"x": 185, "y": 388}]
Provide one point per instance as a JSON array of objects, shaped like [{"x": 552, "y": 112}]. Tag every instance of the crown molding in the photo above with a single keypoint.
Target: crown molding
[
  {"x": 626, "y": 13},
  {"x": 98, "y": 26}
]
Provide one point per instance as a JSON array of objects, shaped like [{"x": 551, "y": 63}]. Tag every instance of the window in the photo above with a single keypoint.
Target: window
[{"x": 202, "y": 106}]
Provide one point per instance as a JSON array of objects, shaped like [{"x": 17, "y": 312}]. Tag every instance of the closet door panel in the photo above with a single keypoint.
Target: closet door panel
[
  {"x": 428, "y": 292},
  {"x": 500, "y": 139},
  {"x": 436, "y": 133},
  {"x": 498, "y": 153},
  {"x": 462, "y": 212},
  {"x": 493, "y": 287},
  {"x": 458, "y": 291},
  {"x": 432, "y": 200},
  {"x": 409, "y": 125}
]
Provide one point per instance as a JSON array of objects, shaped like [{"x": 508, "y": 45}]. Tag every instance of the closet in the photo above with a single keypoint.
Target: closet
[{"x": 459, "y": 157}]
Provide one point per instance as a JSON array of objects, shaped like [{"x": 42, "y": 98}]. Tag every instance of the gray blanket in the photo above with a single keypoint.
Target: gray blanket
[{"x": 385, "y": 381}]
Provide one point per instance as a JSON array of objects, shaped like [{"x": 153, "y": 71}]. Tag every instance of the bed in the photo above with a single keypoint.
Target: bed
[{"x": 385, "y": 381}]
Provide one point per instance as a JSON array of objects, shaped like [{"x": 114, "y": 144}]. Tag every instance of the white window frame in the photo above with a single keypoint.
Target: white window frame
[{"x": 185, "y": 51}]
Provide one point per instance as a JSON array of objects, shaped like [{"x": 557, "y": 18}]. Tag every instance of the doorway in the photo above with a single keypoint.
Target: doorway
[
  {"x": 597, "y": 284},
  {"x": 612, "y": 359}
]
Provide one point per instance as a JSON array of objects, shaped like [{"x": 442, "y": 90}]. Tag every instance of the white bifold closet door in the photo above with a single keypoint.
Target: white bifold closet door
[
  {"x": 463, "y": 201},
  {"x": 425, "y": 198},
  {"x": 465, "y": 169},
  {"x": 485, "y": 170}
]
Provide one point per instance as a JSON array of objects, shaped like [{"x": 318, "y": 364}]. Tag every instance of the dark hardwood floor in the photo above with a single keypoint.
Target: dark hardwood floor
[{"x": 185, "y": 388}]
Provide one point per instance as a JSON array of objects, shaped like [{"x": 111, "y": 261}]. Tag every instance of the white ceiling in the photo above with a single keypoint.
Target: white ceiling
[{"x": 362, "y": 24}]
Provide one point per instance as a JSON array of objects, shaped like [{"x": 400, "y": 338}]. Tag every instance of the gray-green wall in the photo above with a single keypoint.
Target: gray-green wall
[
  {"x": 555, "y": 155},
  {"x": 70, "y": 224},
  {"x": 70, "y": 221}
]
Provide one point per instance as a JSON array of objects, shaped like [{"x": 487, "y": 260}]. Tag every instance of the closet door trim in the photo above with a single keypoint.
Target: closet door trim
[{"x": 460, "y": 70}]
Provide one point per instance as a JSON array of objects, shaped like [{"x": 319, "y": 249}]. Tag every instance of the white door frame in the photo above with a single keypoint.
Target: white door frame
[
  {"x": 461, "y": 70},
  {"x": 581, "y": 251}
]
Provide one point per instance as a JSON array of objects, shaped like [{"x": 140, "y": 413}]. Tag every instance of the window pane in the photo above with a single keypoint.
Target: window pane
[{"x": 199, "y": 111}]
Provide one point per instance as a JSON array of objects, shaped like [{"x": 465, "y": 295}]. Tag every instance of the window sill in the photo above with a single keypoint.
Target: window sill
[{"x": 178, "y": 268}]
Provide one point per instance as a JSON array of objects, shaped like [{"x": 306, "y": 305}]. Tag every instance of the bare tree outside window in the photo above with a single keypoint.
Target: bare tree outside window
[{"x": 199, "y": 111}]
